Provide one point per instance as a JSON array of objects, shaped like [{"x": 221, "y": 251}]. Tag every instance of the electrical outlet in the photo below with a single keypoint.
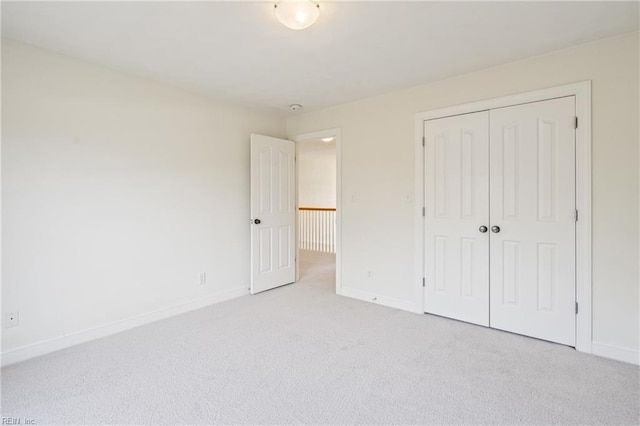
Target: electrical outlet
[
  {"x": 203, "y": 278},
  {"x": 370, "y": 275},
  {"x": 11, "y": 319}
]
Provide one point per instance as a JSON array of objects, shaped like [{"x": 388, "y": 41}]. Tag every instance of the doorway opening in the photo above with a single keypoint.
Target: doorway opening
[{"x": 318, "y": 198}]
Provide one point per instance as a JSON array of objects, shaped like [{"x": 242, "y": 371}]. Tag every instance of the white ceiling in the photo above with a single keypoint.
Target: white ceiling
[{"x": 237, "y": 51}]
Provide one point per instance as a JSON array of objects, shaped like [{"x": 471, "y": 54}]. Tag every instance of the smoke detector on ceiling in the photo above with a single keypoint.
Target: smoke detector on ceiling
[{"x": 295, "y": 107}]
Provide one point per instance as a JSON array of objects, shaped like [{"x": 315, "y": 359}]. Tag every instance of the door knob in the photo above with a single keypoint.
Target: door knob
[
  {"x": 257, "y": 221},
  {"x": 483, "y": 229},
  {"x": 495, "y": 229}
]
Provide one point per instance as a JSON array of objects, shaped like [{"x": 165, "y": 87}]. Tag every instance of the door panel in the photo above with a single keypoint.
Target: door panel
[
  {"x": 273, "y": 204},
  {"x": 457, "y": 204},
  {"x": 532, "y": 193}
]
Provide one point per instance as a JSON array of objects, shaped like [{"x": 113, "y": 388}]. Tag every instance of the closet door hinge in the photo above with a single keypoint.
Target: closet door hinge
[
  {"x": 576, "y": 214},
  {"x": 575, "y": 122},
  {"x": 423, "y": 212},
  {"x": 423, "y": 281},
  {"x": 423, "y": 141},
  {"x": 576, "y": 308}
]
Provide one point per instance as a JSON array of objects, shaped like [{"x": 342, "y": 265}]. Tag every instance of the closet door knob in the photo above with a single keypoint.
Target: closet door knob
[
  {"x": 257, "y": 221},
  {"x": 483, "y": 229},
  {"x": 495, "y": 229}
]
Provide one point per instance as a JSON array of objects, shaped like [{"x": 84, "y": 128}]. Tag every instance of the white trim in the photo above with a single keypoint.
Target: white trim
[
  {"x": 583, "y": 227},
  {"x": 314, "y": 136},
  {"x": 574, "y": 89},
  {"x": 582, "y": 93},
  {"x": 51, "y": 345},
  {"x": 419, "y": 204},
  {"x": 616, "y": 352},
  {"x": 405, "y": 305}
]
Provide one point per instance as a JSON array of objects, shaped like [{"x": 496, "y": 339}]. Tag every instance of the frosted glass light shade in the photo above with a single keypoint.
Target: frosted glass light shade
[{"x": 297, "y": 14}]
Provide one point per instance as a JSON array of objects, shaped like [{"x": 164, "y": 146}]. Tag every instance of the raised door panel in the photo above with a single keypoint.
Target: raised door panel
[
  {"x": 532, "y": 192},
  {"x": 273, "y": 203},
  {"x": 456, "y": 197},
  {"x": 265, "y": 193}
]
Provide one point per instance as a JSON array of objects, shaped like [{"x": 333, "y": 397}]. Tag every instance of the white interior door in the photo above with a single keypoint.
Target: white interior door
[
  {"x": 272, "y": 213},
  {"x": 457, "y": 207},
  {"x": 533, "y": 204}
]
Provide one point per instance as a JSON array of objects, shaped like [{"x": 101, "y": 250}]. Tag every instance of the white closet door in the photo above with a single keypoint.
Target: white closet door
[
  {"x": 457, "y": 205},
  {"x": 532, "y": 202}
]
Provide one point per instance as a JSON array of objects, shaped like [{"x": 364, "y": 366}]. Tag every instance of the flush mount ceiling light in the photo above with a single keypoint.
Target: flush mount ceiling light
[
  {"x": 297, "y": 14},
  {"x": 327, "y": 140}
]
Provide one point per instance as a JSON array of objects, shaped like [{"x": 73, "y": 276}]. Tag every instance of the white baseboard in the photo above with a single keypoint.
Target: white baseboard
[
  {"x": 615, "y": 352},
  {"x": 51, "y": 345},
  {"x": 391, "y": 302}
]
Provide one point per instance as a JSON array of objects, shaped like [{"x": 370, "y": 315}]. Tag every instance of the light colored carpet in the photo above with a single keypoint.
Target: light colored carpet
[{"x": 301, "y": 354}]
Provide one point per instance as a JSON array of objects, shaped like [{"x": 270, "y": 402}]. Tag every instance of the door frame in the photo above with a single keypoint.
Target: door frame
[
  {"x": 314, "y": 136},
  {"x": 582, "y": 93}
]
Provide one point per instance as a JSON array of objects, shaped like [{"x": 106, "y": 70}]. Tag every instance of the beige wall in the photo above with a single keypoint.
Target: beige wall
[
  {"x": 317, "y": 174},
  {"x": 378, "y": 165},
  {"x": 116, "y": 193}
]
